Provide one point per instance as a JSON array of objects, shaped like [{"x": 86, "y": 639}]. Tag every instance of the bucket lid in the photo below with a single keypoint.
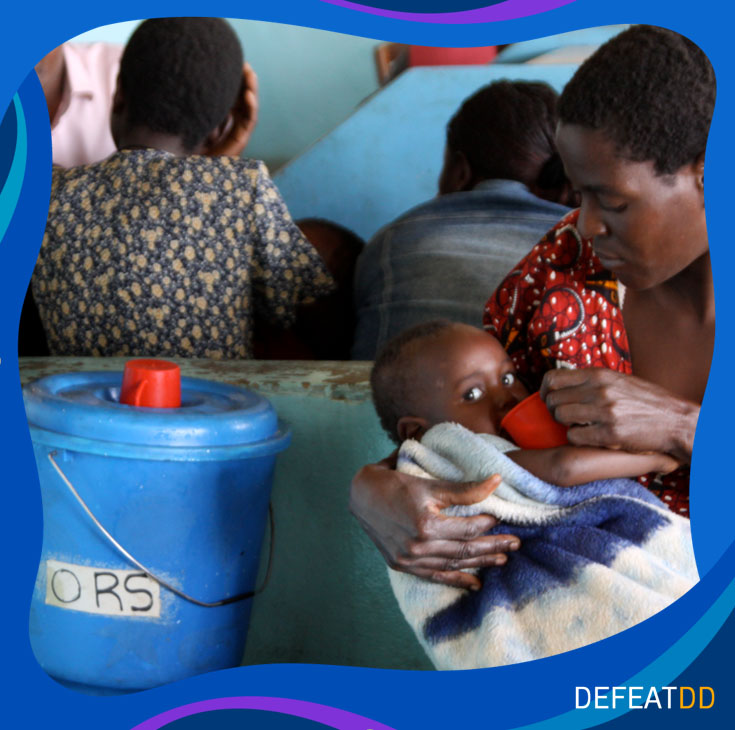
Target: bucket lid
[{"x": 211, "y": 414}]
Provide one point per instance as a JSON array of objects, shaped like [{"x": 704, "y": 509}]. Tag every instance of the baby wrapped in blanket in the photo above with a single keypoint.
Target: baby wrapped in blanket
[{"x": 593, "y": 559}]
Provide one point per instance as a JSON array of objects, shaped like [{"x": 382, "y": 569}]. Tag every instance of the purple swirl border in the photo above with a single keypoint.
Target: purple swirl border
[
  {"x": 329, "y": 716},
  {"x": 507, "y": 10}
]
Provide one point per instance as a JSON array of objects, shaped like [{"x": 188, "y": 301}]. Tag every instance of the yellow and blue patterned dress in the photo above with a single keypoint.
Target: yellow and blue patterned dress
[{"x": 147, "y": 253}]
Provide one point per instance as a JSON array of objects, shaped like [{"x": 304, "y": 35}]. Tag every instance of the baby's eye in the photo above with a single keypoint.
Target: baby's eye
[
  {"x": 473, "y": 394},
  {"x": 508, "y": 379}
]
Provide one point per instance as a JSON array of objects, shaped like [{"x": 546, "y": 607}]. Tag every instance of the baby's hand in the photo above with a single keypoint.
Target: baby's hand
[{"x": 667, "y": 463}]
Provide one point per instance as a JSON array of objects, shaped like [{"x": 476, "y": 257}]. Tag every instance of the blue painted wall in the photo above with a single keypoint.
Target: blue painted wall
[
  {"x": 343, "y": 152},
  {"x": 310, "y": 81},
  {"x": 387, "y": 156}
]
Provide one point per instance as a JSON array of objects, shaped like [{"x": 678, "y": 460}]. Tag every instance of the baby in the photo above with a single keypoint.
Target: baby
[
  {"x": 592, "y": 561},
  {"x": 442, "y": 371}
]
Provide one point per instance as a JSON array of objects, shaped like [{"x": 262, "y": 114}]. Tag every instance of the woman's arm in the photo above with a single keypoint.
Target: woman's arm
[
  {"x": 616, "y": 411},
  {"x": 402, "y": 516},
  {"x": 569, "y": 466}
]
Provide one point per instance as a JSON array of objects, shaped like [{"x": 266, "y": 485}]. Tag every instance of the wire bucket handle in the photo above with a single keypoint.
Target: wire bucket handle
[{"x": 148, "y": 572}]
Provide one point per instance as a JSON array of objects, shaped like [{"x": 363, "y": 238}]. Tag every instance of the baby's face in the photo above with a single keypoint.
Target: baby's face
[{"x": 468, "y": 378}]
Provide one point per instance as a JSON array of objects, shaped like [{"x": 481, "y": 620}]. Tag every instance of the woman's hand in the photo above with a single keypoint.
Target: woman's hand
[
  {"x": 402, "y": 515},
  {"x": 616, "y": 411}
]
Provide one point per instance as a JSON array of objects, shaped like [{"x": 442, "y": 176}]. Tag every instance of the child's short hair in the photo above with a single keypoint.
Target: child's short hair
[
  {"x": 391, "y": 381},
  {"x": 182, "y": 75}
]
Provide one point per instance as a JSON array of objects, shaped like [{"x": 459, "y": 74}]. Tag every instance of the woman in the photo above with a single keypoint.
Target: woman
[
  {"x": 625, "y": 280},
  {"x": 502, "y": 186}
]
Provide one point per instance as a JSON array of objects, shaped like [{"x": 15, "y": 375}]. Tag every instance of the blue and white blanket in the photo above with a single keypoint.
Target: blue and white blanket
[{"x": 594, "y": 560}]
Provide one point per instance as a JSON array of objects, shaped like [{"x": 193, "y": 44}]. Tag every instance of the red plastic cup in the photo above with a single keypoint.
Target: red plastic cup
[
  {"x": 531, "y": 425},
  {"x": 151, "y": 384}
]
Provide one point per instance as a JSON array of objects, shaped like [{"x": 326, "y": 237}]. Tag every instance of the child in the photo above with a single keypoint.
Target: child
[
  {"x": 169, "y": 247},
  {"x": 593, "y": 560},
  {"x": 441, "y": 371}
]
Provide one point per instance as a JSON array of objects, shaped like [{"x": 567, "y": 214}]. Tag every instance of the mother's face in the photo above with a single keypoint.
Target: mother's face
[{"x": 646, "y": 228}]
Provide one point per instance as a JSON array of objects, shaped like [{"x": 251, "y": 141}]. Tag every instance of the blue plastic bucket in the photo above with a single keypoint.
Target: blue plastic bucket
[{"x": 183, "y": 492}]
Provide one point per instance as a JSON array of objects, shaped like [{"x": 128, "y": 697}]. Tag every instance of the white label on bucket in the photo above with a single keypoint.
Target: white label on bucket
[{"x": 102, "y": 590}]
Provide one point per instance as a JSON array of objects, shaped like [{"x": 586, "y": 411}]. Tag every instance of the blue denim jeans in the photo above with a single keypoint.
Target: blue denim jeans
[{"x": 444, "y": 259}]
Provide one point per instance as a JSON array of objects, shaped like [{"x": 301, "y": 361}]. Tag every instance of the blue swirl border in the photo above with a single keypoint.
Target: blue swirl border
[{"x": 690, "y": 640}]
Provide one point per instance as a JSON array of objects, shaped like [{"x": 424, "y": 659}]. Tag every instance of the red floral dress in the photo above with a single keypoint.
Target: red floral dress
[{"x": 560, "y": 308}]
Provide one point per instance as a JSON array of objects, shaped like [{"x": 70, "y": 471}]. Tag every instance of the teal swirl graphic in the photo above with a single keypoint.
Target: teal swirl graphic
[{"x": 14, "y": 124}]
